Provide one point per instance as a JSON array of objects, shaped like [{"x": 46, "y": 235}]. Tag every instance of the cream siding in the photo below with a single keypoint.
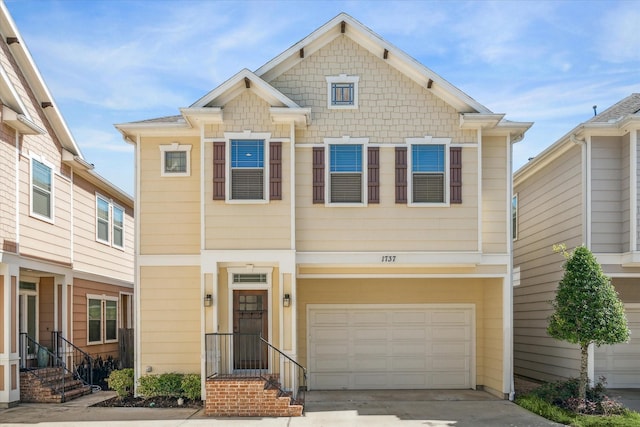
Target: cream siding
[
  {"x": 169, "y": 206},
  {"x": 91, "y": 255},
  {"x": 606, "y": 195},
  {"x": 8, "y": 232},
  {"x": 170, "y": 305},
  {"x": 40, "y": 238},
  {"x": 495, "y": 178},
  {"x": 625, "y": 194},
  {"x": 483, "y": 293},
  {"x": 248, "y": 225},
  {"x": 549, "y": 213}
]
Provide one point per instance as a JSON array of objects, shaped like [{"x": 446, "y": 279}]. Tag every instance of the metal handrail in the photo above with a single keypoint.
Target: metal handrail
[
  {"x": 231, "y": 355},
  {"x": 80, "y": 360},
  {"x": 45, "y": 359}
]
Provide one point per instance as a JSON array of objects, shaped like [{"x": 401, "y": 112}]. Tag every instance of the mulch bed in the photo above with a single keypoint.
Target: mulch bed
[{"x": 152, "y": 402}]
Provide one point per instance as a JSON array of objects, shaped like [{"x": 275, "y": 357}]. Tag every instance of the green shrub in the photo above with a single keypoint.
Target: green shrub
[
  {"x": 169, "y": 384},
  {"x": 564, "y": 394},
  {"x": 191, "y": 386},
  {"x": 121, "y": 381}
]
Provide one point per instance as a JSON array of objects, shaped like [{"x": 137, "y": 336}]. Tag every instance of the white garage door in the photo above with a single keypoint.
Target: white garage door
[
  {"x": 390, "y": 346},
  {"x": 620, "y": 363}
]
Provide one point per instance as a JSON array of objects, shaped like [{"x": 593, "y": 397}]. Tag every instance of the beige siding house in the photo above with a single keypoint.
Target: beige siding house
[
  {"x": 343, "y": 201},
  {"x": 583, "y": 189},
  {"x": 66, "y": 234}
]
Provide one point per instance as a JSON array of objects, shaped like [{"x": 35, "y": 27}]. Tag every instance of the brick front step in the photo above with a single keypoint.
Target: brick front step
[
  {"x": 47, "y": 386},
  {"x": 247, "y": 397}
]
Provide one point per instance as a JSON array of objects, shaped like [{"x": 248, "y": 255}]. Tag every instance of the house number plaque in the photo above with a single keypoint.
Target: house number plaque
[{"x": 388, "y": 259}]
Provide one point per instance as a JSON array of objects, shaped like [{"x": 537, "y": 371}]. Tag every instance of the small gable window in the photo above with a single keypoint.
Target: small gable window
[
  {"x": 342, "y": 92},
  {"x": 175, "y": 159}
]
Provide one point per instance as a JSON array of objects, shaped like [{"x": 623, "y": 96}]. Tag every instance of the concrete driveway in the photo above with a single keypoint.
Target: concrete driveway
[{"x": 430, "y": 408}]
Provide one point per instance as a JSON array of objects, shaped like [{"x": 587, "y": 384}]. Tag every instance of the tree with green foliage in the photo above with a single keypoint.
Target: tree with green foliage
[{"x": 587, "y": 308}]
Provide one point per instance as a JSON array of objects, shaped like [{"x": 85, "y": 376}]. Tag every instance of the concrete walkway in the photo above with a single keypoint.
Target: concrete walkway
[{"x": 404, "y": 408}]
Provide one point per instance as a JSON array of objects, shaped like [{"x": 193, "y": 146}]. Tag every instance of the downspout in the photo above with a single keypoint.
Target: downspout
[
  {"x": 508, "y": 289},
  {"x": 17, "y": 192},
  {"x": 294, "y": 280},
  {"x": 633, "y": 191}
]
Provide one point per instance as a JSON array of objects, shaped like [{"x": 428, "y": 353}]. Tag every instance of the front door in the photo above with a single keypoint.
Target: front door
[
  {"x": 28, "y": 315},
  {"x": 250, "y": 321}
]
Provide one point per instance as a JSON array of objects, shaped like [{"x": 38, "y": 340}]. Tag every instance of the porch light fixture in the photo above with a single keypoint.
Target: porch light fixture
[
  {"x": 286, "y": 301},
  {"x": 208, "y": 300}
]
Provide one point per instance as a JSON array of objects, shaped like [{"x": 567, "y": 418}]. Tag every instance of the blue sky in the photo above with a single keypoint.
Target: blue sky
[{"x": 117, "y": 61}]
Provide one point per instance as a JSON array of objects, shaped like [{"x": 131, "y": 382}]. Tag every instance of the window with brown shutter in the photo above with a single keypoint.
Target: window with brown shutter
[
  {"x": 275, "y": 171},
  {"x": 373, "y": 172},
  {"x": 401, "y": 174},
  {"x": 455, "y": 169},
  {"x": 318, "y": 174},
  {"x": 218, "y": 170}
]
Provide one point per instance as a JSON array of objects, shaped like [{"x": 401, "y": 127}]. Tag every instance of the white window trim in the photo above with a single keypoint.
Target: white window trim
[
  {"x": 347, "y": 140},
  {"x": 53, "y": 187},
  {"x": 102, "y": 299},
  {"x": 112, "y": 205},
  {"x": 342, "y": 78},
  {"x": 175, "y": 146},
  {"x": 246, "y": 135},
  {"x": 428, "y": 140}
]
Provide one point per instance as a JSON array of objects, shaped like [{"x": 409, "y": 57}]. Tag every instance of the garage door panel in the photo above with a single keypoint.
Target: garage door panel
[
  {"x": 450, "y": 380},
  {"x": 391, "y": 347},
  {"x": 451, "y": 348},
  {"x": 409, "y": 334},
  {"x": 410, "y": 317},
  {"x": 330, "y": 318},
  {"x": 369, "y": 318},
  {"x": 451, "y": 333}
]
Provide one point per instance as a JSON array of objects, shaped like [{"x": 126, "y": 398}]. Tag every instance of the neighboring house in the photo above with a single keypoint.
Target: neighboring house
[
  {"x": 66, "y": 234},
  {"x": 583, "y": 189},
  {"x": 345, "y": 202}
]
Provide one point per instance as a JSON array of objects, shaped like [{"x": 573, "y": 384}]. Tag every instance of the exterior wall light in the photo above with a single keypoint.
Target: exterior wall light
[
  {"x": 286, "y": 301},
  {"x": 208, "y": 300}
]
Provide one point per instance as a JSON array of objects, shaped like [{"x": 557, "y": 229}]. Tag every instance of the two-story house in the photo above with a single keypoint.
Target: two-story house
[
  {"x": 66, "y": 238},
  {"x": 344, "y": 202},
  {"x": 583, "y": 189}
]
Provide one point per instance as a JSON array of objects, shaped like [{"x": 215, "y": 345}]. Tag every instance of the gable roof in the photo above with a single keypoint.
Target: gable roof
[
  {"x": 359, "y": 33},
  {"x": 16, "y": 114},
  {"x": 620, "y": 118}
]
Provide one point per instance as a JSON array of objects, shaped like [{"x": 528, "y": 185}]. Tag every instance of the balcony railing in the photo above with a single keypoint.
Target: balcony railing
[{"x": 230, "y": 355}]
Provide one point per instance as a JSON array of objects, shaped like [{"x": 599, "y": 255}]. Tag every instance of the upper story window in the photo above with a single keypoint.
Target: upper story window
[
  {"x": 342, "y": 92},
  {"x": 41, "y": 190},
  {"x": 247, "y": 169},
  {"x": 345, "y": 173},
  {"x": 109, "y": 222},
  {"x": 175, "y": 159},
  {"x": 428, "y": 173}
]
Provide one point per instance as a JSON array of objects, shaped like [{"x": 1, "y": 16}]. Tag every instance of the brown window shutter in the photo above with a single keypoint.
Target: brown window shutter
[
  {"x": 318, "y": 174},
  {"x": 455, "y": 170},
  {"x": 218, "y": 170},
  {"x": 401, "y": 174},
  {"x": 275, "y": 171},
  {"x": 373, "y": 172}
]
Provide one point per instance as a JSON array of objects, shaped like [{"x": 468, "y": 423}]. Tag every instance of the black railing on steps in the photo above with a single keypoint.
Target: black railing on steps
[
  {"x": 79, "y": 362},
  {"x": 36, "y": 358},
  {"x": 251, "y": 356}
]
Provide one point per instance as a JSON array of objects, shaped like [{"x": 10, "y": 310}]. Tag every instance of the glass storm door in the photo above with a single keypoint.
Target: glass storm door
[
  {"x": 249, "y": 322},
  {"x": 27, "y": 320}
]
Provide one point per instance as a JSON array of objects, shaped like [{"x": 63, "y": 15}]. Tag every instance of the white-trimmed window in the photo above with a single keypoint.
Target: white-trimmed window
[
  {"x": 175, "y": 159},
  {"x": 346, "y": 174},
  {"x": 102, "y": 319},
  {"x": 429, "y": 180},
  {"x": 342, "y": 92},
  {"x": 41, "y": 190},
  {"x": 109, "y": 222},
  {"x": 247, "y": 167}
]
